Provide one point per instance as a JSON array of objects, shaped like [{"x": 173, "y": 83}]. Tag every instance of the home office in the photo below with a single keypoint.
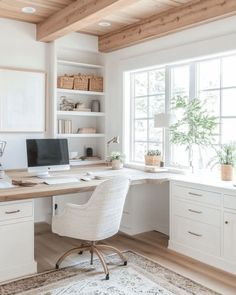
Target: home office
[{"x": 82, "y": 91}]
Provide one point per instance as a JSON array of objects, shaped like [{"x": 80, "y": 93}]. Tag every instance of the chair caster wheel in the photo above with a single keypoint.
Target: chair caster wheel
[
  {"x": 125, "y": 263},
  {"x": 107, "y": 277},
  {"x": 80, "y": 252},
  {"x": 57, "y": 266}
]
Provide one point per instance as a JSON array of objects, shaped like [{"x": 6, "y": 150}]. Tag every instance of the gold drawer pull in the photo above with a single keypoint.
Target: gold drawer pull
[
  {"x": 194, "y": 234},
  {"x": 194, "y": 194},
  {"x": 194, "y": 211},
  {"x": 12, "y": 212}
]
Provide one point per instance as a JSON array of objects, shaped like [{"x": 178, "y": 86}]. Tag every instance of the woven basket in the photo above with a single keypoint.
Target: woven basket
[
  {"x": 81, "y": 82},
  {"x": 66, "y": 82},
  {"x": 152, "y": 160},
  {"x": 96, "y": 84}
]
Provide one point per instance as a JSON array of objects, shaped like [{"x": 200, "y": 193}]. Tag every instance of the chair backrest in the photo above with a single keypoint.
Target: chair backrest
[{"x": 100, "y": 217}]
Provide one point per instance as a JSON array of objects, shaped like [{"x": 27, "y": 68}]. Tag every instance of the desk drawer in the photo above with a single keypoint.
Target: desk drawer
[
  {"x": 196, "y": 212},
  {"x": 230, "y": 202},
  {"x": 199, "y": 236},
  {"x": 197, "y": 195},
  {"x": 13, "y": 210}
]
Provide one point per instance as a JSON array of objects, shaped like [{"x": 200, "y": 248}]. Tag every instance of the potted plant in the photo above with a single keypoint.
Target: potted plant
[
  {"x": 153, "y": 158},
  {"x": 117, "y": 160},
  {"x": 195, "y": 127},
  {"x": 226, "y": 157}
]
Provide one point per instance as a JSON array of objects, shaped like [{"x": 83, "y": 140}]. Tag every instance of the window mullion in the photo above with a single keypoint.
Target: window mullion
[{"x": 166, "y": 133}]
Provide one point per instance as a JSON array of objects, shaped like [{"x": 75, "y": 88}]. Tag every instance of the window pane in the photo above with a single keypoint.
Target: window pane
[
  {"x": 140, "y": 105},
  {"x": 228, "y": 130},
  {"x": 156, "y": 81},
  {"x": 180, "y": 80},
  {"x": 140, "y": 130},
  {"x": 179, "y": 155},
  {"x": 140, "y": 149},
  {"x": 209, "y": 74},
  {"x": 155, "y": 134},
  {"x": 229, "y": 102},
  {"x": 155, "y": 146},
  {"x": 156, "y": 105},
  {"x": 229, "y": 71},
  {"x": 140, "y": 84},
  {"x": 212, "y": 101}
]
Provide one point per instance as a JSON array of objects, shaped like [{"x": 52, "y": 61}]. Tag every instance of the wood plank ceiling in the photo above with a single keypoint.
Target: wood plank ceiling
[
  {"x": 126, "y": 15},
  {"x": 131, "y": 21}
]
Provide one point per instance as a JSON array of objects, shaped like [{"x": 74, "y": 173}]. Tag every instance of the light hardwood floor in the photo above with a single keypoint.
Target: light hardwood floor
[{"x": 49, "y": 247}]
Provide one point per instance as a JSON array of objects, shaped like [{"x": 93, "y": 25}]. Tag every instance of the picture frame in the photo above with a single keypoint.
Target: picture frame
[{"x": 22, "y": 100}]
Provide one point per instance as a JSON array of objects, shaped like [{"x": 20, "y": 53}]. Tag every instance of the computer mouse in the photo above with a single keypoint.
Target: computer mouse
[{"x": 85, "y": 178}]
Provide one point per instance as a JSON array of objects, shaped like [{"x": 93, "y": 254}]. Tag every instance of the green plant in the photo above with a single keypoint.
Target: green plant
[
  {"x": 117, "y": 156},
  {"x": 153, "y": 153},
  {"x": 194, "y": 127},
  {"x": 227, "y": 154}
]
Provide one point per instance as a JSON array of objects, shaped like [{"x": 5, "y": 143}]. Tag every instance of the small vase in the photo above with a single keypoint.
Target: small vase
[
  {"x": 116, "y": 164},
  {"x": 226, "y": 172}
]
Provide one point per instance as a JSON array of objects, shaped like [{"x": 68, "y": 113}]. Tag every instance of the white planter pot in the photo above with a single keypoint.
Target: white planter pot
[{"x": 116, "y": 164}]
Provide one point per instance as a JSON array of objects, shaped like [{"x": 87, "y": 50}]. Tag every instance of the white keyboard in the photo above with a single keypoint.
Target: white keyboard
[{"x": 60, "y": 180}]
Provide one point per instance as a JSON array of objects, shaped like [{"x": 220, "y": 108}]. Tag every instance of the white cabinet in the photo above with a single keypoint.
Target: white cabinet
[
  {"x": 229, "y": 238},
  {"x": 17, "y": 240},
  {"x": 203, "y": 223}
]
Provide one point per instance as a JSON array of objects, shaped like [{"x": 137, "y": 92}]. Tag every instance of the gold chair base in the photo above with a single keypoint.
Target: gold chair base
[{"x": 93, "y": 248}]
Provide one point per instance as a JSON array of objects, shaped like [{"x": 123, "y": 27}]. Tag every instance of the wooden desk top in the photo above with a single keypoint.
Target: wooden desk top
[{"x": 43, "y": 190}]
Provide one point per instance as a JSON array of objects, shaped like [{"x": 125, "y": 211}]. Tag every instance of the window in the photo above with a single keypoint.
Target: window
[
  {"x": 147, "y": 98},
  {"x": 212, "y": 80}
]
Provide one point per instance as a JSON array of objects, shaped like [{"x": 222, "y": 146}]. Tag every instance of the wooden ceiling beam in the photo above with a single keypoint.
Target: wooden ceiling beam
[
  {"x": 185, "y": 16},
  {"x": 76, "y": 16}
]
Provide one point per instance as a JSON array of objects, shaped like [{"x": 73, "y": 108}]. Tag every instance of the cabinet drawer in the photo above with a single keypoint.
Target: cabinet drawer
[
  {"x": 199, "y": 236},
  {"x": 230, "y": 202},
  {"x": 196, "y": 212},
  {"x": 197, "y": 195},
  {"x": 13, "y": 210}
]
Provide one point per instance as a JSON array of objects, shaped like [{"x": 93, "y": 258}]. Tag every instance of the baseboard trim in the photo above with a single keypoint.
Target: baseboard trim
[
  {"x": 214, "y": 261},
  {"x": 13, "y": 273}
]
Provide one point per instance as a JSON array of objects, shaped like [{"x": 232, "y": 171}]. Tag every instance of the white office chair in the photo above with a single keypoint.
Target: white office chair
[{"x": 96, "y": 220}]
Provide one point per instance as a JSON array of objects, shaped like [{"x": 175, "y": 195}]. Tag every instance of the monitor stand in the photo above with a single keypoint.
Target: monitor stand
[{"x": 43, "y": 175}]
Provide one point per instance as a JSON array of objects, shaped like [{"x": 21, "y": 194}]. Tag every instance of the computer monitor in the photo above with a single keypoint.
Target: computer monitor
[{"x": 46, "y": 155}]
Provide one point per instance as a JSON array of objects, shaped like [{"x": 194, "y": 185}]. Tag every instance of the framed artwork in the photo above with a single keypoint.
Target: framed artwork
[{"x": 22, "y": 100}]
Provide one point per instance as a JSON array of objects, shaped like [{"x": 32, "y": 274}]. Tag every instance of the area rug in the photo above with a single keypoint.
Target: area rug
[{"x": 140, "y": 276}]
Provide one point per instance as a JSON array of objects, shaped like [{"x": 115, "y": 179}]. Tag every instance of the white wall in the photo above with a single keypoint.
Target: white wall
[{"x": 19, "y": 49}]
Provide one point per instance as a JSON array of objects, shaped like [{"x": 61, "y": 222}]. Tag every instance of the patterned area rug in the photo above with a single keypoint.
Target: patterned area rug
[{"x": 140, "y": 276}]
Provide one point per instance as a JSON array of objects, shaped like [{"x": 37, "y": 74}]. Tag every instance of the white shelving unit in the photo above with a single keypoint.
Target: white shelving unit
[
  {"x": 81, "y": 92},
  {"x": 72, "y": 61},
  {"x": 78, "y": 64},
  {"x": 82, "y": 114},
  {"x": 80, "y": 135}
]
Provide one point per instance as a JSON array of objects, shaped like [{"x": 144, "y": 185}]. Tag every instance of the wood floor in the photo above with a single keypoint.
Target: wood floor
[{"x": 49, "y": 247}]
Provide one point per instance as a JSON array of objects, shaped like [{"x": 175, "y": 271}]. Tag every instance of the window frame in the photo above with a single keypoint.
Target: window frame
[{"x": 194, "y": 92}]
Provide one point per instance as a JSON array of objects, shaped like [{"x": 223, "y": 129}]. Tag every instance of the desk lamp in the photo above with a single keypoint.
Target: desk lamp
[
  {"x": 2, "y": 148},
  {"x": 163, "y": 120},
  {"x": 114, "y": 139}
]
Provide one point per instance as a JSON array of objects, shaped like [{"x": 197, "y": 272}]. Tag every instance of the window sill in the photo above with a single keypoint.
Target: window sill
[{"x": 143, "y": 167}]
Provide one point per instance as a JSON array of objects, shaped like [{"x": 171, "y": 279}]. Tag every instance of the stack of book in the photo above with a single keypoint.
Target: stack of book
[{"x": 64, "y": 126}]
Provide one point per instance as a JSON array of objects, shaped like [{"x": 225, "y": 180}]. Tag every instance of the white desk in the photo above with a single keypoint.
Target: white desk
[{"x": 212, "y": 236}]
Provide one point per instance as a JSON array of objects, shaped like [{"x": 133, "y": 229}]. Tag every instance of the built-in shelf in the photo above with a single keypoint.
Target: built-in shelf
[
  {"x": 78, "y": 64},
  {"x": 72, "y": 91},
  {"x": 85, "y": 114},
  {"x": 80, "y": 135}
]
